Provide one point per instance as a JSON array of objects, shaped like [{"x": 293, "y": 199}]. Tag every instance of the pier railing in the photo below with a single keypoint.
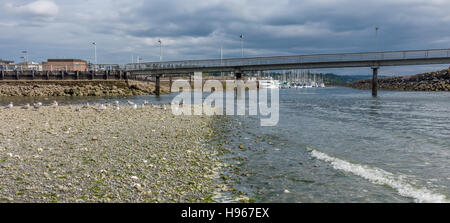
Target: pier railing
[
  {"x": 299, "y": 59},
  {"x": 64, "y": 75}
]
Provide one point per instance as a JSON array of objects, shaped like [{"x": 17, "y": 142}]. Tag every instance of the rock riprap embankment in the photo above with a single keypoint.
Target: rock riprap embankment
[
  {"x": 76, "y": 88},
  {"x": 433, "y": 81}
]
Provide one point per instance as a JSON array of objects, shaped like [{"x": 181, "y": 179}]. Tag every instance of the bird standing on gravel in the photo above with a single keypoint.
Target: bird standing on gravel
[
  {"x": 101, "y": 107},
  {"x": 10, "y": 105},
  {"x": 37, "y": 105},
  {"x": 134, "y": 106},
  {"x": 54, "y": 104},
  {"x": 86, "y": 106},
  {"x": 27, "y": 106}
]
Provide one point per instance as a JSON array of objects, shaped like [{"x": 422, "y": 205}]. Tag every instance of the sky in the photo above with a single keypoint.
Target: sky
[{"x": 198, "y": 29}]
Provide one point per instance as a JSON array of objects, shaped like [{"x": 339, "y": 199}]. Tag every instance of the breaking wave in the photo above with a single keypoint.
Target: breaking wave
[{"x": 382, "y": 177}]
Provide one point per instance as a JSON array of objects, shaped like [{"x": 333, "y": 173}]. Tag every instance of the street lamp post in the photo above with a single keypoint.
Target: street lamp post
[
  {"x": 242, "y": 44},
  {"x": 221, "y": 58},
  {"x": 160, "y": 51},
  {"x": 95, "y": 55},
  {"x": 25, "y": 57},
  {"x": 376, "y": 38}
]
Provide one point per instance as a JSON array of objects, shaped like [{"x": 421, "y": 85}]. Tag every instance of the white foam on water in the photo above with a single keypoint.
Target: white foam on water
[{"x": 382, "y": 177}]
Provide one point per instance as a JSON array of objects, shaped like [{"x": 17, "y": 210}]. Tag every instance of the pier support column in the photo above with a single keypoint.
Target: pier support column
[
  {"x": 3, "y": 75},
  {"x": 17, "y": 74},
  {"x": 238, "y": 75},
  {"x": 158, "y": 84},
  {"x": 375, "y": 82},
  {"x": 170, "y": 83}
]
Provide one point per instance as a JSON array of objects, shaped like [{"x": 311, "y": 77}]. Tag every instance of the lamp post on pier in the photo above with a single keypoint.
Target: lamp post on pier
[
  {"x": 95, "y": 55},
  {"x": 242, "y": 45},
  {"x": 160, "y": 50}
]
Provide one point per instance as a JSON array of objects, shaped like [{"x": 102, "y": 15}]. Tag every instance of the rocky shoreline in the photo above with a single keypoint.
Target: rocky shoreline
[
  {"x": 77, "y": 88},
  {"x": 432, "y": 81},
  {"x": 76, "y": 154}
]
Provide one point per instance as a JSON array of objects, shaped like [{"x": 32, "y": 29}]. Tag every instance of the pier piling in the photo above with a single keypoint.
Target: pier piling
[
  {"x": 158, "y": 84},
  {"x": 375, "y": 82}
]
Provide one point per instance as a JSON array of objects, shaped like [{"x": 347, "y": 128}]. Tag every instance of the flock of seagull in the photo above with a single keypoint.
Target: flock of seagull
[{"x": 99, "y": 107}]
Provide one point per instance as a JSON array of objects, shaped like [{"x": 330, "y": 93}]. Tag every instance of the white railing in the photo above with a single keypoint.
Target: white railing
[{"x": 277, "y": 60}]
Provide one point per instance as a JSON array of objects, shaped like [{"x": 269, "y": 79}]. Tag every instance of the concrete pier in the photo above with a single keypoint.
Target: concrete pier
[{"x": 375, "y": 82}]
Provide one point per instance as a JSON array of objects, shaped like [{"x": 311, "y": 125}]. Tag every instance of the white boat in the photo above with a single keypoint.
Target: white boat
[{"x": 268, "y": 83}]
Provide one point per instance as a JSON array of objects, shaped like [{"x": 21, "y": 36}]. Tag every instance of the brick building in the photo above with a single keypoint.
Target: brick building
[{"x": 65, "y": 65}]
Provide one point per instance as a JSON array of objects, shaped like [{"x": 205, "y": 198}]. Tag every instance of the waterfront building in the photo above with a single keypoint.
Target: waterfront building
[
  {"x": 65, "y": 65},
  {"x": 6, "y": 65},
  {"x": 25, "y": 66}
]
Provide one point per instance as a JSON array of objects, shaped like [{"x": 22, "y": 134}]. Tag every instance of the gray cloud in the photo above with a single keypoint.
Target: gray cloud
[{"x": 197, "y": 29}]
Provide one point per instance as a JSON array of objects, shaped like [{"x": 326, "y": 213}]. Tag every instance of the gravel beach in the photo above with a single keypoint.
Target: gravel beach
[{"x": 75, "y": 154}]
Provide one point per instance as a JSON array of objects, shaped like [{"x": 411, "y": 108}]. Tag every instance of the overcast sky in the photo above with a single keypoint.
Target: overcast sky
[{"x": 196, "y": 29}]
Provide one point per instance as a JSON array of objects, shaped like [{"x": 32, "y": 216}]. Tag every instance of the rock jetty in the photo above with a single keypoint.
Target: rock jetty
[{"x": 432, "y": 81}]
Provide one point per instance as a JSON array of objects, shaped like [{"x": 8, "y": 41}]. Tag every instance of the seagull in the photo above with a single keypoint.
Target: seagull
[
  {"x": 134, "y": 106},
  {"x": 54, "y": 104},
  {"x": 86, "y": 106},
  {"x": 27, "y": 106},
  {"x": 145, "y": 102},
  {"x": 116, "y": 103},
  {"x": 130, "y": 103},
  {"x": 116, "y": 108},
  {"x": 10, "y": 105},
  {"x": 101, "y": 107},
  {"x": 37, "y": 105},
  {"x": 164, "y": 107}
]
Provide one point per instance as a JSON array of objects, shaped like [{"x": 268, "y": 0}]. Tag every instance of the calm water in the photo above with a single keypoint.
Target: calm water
[
  {"x": 338, "y": 145},
  {"x": 342, "y": 145}
]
